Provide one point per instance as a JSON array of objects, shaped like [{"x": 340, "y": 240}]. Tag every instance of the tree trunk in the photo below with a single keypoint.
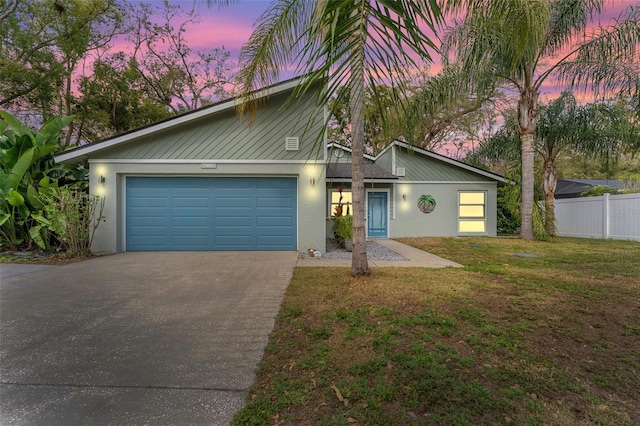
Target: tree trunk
[
  {"x": 527, "y": 119},
  {"x": 549, "y": 181},
  {"x": 359, "y": 264},
  {"x": 527, "y": 185}
]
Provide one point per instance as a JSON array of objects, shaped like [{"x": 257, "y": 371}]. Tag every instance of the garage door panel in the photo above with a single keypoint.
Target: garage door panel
[
  {"x": 229, "y": 221},
  {"x": 271, "y": 241},
  {"x": 279, "y": 202},
  {"x": 235, "y": 183},
  {"x": 274, "y": 221},
  {"x": 234, "y": 242},
  {"x": 148, "y": 221},
  {"x": 235, "y": 202},
  {"x": 146, "y": 202},
  {"x": 191, "y": 221},
  {"x": 151, "y": 243},
  {"x": 190, "y": 202},
  {"x": 189, "y": 242},
  {"x": 194, "y": 213},
  {"x": 185, "y": 231}
]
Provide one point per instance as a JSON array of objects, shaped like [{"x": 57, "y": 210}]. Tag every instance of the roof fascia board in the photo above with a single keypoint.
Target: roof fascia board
[{"x": 199, "y": 161}]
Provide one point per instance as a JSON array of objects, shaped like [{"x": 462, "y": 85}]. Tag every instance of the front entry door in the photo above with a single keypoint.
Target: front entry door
[{"x": 377, "y": 214}]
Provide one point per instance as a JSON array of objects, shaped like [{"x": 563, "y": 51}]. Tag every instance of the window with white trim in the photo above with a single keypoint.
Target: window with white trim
[
  {"x": 472, "y": 212},
  {"x": 345, "y": 205}
]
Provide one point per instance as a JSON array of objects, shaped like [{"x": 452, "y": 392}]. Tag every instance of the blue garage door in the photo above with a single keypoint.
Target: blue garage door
[{"x": 225, "y": 213}]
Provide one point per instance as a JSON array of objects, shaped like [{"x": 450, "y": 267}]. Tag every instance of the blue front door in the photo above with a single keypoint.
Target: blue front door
[{"x": 377, "y": 214}]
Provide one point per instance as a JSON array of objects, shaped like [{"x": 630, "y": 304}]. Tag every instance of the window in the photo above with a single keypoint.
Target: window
[
  {"x": 472, "y": 212},
  {"x": 346, "y": 202}
]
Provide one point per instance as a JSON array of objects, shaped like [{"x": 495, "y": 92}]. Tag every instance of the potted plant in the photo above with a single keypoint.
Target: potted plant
[{"x": 343, "y": 227}]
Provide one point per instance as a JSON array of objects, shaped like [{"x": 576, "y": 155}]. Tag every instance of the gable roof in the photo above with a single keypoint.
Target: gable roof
[
  {"x": 444, "y": 159},
  {"x": 79, "y": 153}
]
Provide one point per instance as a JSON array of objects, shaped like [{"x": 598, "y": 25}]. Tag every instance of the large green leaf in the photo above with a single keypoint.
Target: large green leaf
[
  {"x": 38, "y": 235},
  {"x": 15, "y": 124},
  {"x": 18, "y": 171},
  {"x": 14, "y": 198},
  {"x": 41, "y": 219},
  {"x": 24, "y": 211},
  {"x": 4, "y": 217},
  {"x": 50, "y": 131},
  {"x": 17, "y": 146},
  {"x": 34, "y": 197},
  {"x": 43, "y": 151}
]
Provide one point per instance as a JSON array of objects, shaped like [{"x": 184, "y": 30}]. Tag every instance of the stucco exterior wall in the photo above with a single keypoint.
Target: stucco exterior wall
[
  {"x": 409, "y": 221},
  {"x": 110, "y": 235}
]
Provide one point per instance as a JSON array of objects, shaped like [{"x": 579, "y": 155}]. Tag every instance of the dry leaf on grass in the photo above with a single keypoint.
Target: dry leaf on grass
[{"x": 339, "y": 395}]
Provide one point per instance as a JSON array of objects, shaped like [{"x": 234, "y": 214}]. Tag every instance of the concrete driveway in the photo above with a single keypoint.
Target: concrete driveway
[{"x": 137, "y": 338}]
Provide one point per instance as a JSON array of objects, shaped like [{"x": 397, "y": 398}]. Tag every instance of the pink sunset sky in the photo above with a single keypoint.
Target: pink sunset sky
[{"x": 230, "y": 27}]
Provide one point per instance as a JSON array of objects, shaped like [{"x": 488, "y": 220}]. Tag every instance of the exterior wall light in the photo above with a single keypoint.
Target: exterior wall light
[{"x": 102, "y": 179}]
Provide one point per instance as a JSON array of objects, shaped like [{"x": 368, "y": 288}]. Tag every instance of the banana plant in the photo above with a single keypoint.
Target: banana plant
[{"x": 27, "y": 171}]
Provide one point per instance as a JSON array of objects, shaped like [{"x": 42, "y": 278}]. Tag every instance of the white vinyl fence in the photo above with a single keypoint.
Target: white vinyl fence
[{"x": 607, "y": 216}]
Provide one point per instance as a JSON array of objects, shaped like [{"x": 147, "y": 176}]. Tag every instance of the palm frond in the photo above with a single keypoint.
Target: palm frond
[
  {"x": 449, "y": 95},
  {"x": 569, "y": 19},
  {"x": 513, "y": 30},
  {"x": 276, "y": 40},
  {"x": 609, "y": 61}
]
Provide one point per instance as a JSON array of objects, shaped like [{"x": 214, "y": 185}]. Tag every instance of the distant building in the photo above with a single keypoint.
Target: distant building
[{"x": 572, "y": 188}]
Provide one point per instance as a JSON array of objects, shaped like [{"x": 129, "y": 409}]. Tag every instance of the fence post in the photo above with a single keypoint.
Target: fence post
[{"x": 606, "y": 217}]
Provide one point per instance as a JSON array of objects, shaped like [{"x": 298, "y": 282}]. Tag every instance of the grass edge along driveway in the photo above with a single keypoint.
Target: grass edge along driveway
[{"x": 553, "y": 339}]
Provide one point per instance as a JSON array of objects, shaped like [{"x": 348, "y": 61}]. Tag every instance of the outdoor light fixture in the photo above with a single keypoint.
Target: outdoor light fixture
[
  {"x": 404, "y": 197},
  {"x": 312, "y": 181},
  {"x": 102, "y": 179}
]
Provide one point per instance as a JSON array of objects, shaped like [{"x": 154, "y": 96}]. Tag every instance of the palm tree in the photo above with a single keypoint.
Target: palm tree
[
  {"x": 537, "y": 40},
  {"x": 601, "y": 130},
  {"x": 345, "y": 45}
]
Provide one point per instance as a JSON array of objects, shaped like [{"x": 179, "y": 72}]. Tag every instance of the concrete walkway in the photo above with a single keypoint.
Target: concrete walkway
[
  {"x": 417, "y": 258},
  {"x": 137, "y": 338}
]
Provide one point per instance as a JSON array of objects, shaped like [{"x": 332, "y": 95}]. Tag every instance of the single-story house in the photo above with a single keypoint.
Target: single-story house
[{"x": 210, "y": 180}]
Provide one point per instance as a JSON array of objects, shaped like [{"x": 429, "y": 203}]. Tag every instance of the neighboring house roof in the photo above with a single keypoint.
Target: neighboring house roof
[
  {"x": 572, "y": 188},
  {"x": 82, "y": 152},
  {"x": 370, "y": 170}
]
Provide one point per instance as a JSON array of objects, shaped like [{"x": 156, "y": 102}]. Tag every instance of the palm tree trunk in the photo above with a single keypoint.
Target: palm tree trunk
[
  {"x": 527, "y": 119},
  {"x": 549, "y": 181},
  {"x": 528, "y": 179},
  {"x": 359, "y": 263}
]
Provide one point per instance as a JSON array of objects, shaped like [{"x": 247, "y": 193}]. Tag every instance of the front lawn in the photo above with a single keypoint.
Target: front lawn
[{"x": 553, "y": 339}]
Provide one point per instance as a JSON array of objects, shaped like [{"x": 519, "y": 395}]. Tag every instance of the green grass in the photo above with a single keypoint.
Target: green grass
[{"x": 553, "y": 339}]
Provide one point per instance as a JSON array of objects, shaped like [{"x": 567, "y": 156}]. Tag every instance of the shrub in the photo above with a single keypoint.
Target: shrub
[
  {"x": 74, "y": 216},
  {"x": 343, "y": 227}
]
